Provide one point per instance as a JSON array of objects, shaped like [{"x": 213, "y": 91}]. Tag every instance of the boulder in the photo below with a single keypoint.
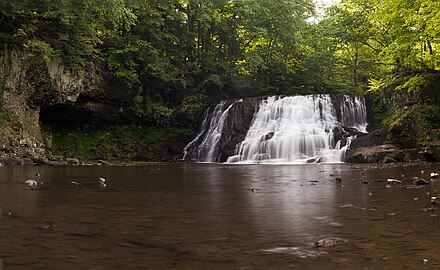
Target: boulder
[{"x": 370, "y": 154}]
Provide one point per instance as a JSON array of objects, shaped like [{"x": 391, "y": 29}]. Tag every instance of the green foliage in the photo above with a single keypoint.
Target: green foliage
[
  {"x": 118, "y": 142},
  {"x": 173, "y": 56},
  {"x": 157, "y": 113},
  {"x": 375, "y": 85},
  {"x": 193, "y": 106},
  {"x": 414, "y": 84},
  {"x": 4, "y": 113},
  {"x": 410, "y": 126},
  {"x": 39, "y": 48}
]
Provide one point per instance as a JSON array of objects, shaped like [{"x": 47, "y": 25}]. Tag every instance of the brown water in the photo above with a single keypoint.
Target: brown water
[{"x": 206, "y": 216}]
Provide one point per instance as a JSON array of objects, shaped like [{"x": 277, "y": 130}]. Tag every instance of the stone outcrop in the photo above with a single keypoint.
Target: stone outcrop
[
  {"x": 374, "y": 147},
  {"x": 29, "y": 83}
]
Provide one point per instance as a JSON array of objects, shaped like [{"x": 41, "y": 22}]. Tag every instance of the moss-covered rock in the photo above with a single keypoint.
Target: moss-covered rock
[{"x": 411, "y": 125}]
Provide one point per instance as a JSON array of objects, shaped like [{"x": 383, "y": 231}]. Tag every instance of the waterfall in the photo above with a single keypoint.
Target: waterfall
[
  {"x": 295, "y": 129},
  {"x": 204, "y": 148},
  {"x": 354, "y": 113}
]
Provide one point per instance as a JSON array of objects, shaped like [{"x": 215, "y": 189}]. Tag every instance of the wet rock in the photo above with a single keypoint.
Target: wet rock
[
  {"x": 313, "y": 160},
  {"x": 420, "y": 182},
  {"x": 433, "y": 175},
  {"x": 269, "y": 136},
  {"x": 389, "y": 160},
  {"x": 73, "y": 161},
  {"x": 103, "y": 162},
  {"x": 369, "y": 154},
  {"x": 391, "y": 181},
  {"x": 32, "y": 184},
  {"x": 329, "y": 242},
  {"x": 435, "y": 200}
]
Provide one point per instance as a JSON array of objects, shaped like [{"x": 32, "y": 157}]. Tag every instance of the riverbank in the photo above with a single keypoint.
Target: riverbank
[{"x": 112, "y": 145}]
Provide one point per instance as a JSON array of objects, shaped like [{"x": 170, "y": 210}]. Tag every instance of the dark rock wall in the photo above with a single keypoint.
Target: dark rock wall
[{"x": 28, "y": 84}]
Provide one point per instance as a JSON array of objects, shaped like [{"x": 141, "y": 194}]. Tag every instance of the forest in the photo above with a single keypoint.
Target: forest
[{"x": 162, "y": 62}]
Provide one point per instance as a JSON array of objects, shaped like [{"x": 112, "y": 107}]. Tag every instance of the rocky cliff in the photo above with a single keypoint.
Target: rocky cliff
[
  {"x": 49, "y": 113},
  {"x": 29, "y": 84}
]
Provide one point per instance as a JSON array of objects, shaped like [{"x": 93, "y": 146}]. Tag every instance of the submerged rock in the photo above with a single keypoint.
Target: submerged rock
[
  {"x": 391, "y": 181},
  {"x": 329, "y": 242},
  {"x": 428, "y": 209},
  {"x": 33, "y": 184},
  {"x": 420, "y": 182}
]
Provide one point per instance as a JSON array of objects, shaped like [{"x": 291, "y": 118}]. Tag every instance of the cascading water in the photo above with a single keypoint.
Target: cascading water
[
  {"x": 204, "y": 147},
  {"x": 354, "y": 113},
  {"x": 291, "y": 129},
  {"x": 298, "y": 129}
]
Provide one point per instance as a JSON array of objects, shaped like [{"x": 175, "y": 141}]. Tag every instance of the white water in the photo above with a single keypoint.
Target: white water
[
  {"x": 302, "y": 128},
  {"x": 207, "y": 150},
  {"x": 354, "y": 113},
  {"x": 298, "y": 129}
]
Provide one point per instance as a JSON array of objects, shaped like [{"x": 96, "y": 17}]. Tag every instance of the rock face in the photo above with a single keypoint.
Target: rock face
[
  {"x": 28, "y": 83},
  {"x": 35, "y": 90}
]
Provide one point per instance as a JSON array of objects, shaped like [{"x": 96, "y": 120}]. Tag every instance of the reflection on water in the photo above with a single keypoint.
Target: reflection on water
[{"x": 213, "y": 216}]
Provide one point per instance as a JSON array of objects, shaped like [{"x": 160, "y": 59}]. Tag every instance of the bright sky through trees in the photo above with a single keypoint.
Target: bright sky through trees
[{"x": 321, "y": 6}]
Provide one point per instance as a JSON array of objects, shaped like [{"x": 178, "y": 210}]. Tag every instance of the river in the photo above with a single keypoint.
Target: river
[{"x": 216, "y": 216}]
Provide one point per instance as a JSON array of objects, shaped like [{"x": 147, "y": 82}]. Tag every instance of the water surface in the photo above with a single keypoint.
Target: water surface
[{"x": 213, "y": 216}]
